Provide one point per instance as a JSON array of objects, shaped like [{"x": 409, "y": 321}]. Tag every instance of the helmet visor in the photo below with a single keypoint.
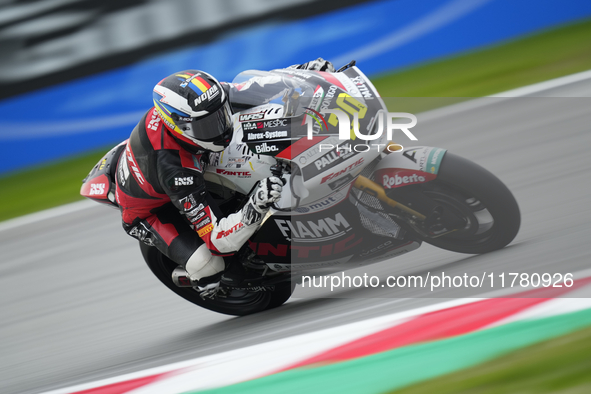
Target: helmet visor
[{"x": 211, "y": 128}]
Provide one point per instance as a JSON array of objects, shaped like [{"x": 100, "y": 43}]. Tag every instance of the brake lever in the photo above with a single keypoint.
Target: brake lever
[{"x": 346, "y": 66}]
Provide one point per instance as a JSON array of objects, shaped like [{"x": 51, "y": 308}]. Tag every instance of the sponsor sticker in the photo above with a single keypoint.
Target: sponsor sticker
[
  {"x": 273, "y": 123},
  {"x": 238, "y": 160},
  {"x": 209, "y": 94},
  {"x": 327, "y": 161},
  {"x": 250, "y": 117},
  {"x": 97, "y": 189},
  {"x": 362, "y": 87},
  {"x": 205, "y": 230},
  {"x": 323, "y": 204},
  {"x": 249, "y": 126},
  {"x": 131, "y": 163},
  {"x": 233, "y": 229},
  {"x": 267, "y": 135},
  {"x": 203, "y": 222},
  {"x": 341, "y": 172},
  {"x": 188, "y": 203},
  {"x": 326, "y": 228},
  {"x": 266, "y": 148},
  {"x": 239, "y": 174},
  {"x": 269, "y": 124},
  {"x": 142, "y": 234},
  {"x": 398, "y": 178},
  {"x": 196, "y": 214},
  {"x": 183, "y": 181},
  {"x": 154, "y": 121},
  {"x": 434, "y": 160}
]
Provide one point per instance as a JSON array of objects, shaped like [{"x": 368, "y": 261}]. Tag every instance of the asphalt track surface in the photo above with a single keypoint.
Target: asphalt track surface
[{"x": 78, "y": 303}]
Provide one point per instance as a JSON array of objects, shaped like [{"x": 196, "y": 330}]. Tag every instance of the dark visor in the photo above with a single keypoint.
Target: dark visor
[{"x": 210, "y": 127}]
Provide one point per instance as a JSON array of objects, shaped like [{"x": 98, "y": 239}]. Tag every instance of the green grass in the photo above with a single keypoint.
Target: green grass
[
  {"x": 45, "y": 187},
  {"x": 535, "y": 58},
  {"x": 532, "y": 59},
  {"x": 559, "y": 365}
]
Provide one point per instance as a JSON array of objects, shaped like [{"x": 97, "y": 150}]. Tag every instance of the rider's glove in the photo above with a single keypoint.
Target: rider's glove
[
  {"x": 267, "y": 193},
  {"x": 316, "y": 65}
]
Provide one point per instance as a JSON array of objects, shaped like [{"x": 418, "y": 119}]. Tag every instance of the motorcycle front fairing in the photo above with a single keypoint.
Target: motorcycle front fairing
[
  {"x": 323, "y": 230},
  {"x": 320, "y": 160}
]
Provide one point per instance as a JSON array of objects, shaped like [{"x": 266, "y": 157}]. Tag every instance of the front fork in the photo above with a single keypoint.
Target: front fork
[{"x": 370, "y": 187}]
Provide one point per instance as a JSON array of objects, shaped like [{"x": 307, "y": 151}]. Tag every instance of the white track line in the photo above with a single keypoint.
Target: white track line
[
  {"x": 529, "y": 90},
  {"x": 546, "y": 85},
  {"x": 47, "y": 214},
  {"x": 307, "y": 345},
  {"x": 258, "y": 360},
  {"x": 424, "y": 117}
]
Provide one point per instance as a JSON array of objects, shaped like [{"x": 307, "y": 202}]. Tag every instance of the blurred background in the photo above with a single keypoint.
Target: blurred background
[
  {"x": 76, "y": 75},
  {"x": 78, "y": 303}
]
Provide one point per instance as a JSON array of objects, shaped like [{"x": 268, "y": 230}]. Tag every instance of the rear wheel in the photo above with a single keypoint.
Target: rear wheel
[
  {"x": 236, "y": 302},
  {"x": 489, "y": 212}
]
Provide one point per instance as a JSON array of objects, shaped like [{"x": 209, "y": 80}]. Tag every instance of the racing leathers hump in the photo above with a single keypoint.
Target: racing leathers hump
[{"x": 155, "y": 171}]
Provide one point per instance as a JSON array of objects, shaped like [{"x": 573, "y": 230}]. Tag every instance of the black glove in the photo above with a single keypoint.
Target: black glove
[{"x": 316, "y": 65}]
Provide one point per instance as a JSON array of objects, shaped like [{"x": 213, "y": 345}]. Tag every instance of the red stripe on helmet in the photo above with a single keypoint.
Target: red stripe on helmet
[{"x": 203, "y": 81}]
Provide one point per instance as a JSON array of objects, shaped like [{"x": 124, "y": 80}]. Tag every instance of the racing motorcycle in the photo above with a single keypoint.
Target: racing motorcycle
[{"x": 349, "y": 200}]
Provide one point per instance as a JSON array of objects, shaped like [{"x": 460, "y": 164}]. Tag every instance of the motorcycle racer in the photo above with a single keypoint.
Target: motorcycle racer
[{"x": 160, "y": 187}]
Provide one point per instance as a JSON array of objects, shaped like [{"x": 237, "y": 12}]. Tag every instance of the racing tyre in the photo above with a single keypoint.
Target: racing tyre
[
  {"x": 490, "y": 211},
  {"x": 237, "y": 302}
]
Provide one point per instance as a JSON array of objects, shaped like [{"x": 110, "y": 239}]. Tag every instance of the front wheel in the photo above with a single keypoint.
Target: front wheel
[
  {"x": 236, "y": 302},
  {"x": 487, "y": 208}
]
